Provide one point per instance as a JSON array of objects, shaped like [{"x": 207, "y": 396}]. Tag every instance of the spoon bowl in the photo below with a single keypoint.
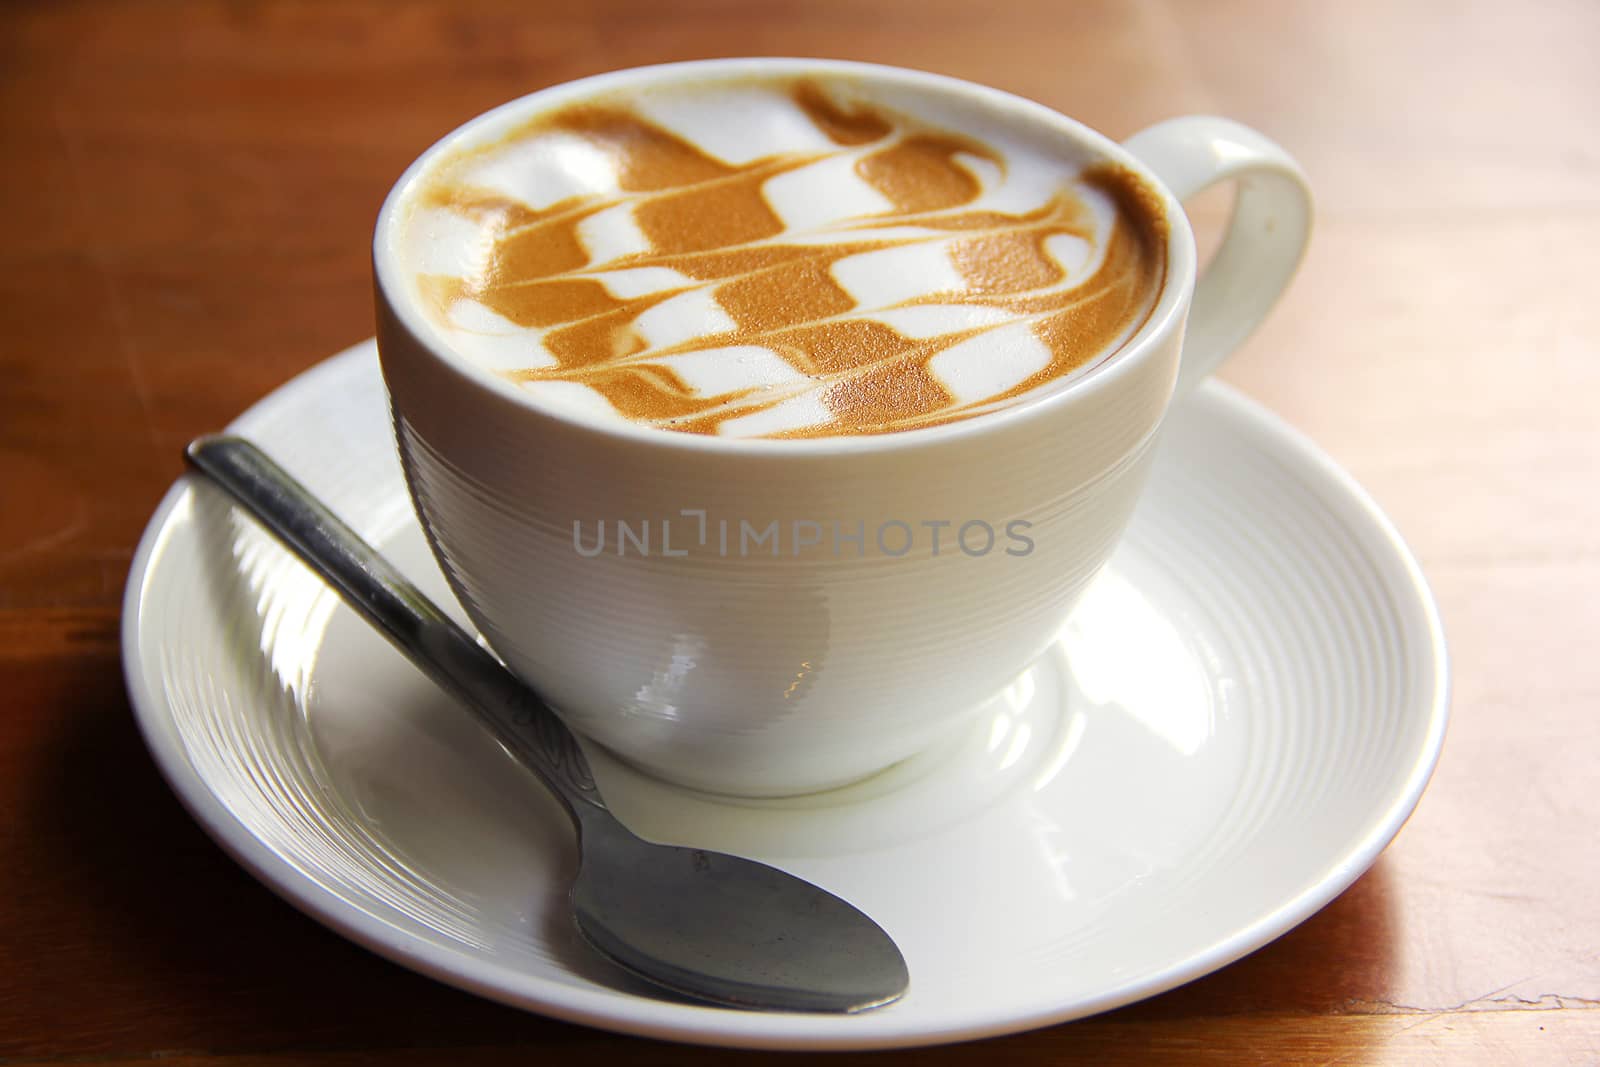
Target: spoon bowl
[{"x": 725, "y": 929}]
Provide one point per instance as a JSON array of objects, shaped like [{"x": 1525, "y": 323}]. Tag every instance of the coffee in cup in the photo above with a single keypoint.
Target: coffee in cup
[{"x": 779, "y": 257}]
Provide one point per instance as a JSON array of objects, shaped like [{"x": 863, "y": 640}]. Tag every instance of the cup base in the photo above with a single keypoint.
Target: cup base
[
  {"x": 757, "y": 786},
  {"x": 1021, "y": 738},
  {"x": 725, "y": 789}
]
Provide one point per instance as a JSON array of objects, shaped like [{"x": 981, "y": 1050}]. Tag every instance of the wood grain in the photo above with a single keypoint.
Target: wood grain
[{"x": 187, "y": 191}]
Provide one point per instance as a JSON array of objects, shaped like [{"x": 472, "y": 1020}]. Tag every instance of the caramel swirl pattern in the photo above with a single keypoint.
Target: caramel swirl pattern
[{"x": 863, "y": 282}]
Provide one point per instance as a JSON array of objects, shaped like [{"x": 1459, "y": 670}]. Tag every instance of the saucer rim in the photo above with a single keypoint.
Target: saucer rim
[{"x": 714, "y": 1026}]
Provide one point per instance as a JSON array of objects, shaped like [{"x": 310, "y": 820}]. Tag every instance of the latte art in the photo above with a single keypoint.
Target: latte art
[{"x": 779, "y": 259}]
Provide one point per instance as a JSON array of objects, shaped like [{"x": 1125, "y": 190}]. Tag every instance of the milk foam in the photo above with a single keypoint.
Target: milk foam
[{"x": 917, "y": 275}]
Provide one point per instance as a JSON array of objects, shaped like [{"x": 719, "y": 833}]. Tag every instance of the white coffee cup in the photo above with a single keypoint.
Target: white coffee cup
[{"x": 694, "y": 652}]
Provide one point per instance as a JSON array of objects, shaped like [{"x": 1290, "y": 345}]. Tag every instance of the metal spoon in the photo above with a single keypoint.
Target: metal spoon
[{"x": 716, "y": 927}]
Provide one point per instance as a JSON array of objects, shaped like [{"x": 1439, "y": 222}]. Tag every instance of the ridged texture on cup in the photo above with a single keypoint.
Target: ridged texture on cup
[{"x": 749, "y": 673}]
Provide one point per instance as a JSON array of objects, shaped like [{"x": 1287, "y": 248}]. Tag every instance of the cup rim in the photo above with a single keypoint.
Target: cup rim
[{"x": 1165, "y": 317}]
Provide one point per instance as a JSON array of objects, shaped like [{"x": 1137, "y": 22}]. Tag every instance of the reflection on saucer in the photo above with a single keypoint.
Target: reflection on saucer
[{"x": 1123, "y": 649}]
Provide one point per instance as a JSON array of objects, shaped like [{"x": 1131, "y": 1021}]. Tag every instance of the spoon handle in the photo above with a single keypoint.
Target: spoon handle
[{"x": 512, "y": 712}]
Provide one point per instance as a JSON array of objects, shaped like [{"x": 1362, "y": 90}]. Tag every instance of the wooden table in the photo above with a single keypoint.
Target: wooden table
[{"x": 186, "y": 194}]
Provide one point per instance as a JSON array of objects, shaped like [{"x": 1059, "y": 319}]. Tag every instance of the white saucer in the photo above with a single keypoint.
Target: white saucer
[{"x": 1237, "y": 720}]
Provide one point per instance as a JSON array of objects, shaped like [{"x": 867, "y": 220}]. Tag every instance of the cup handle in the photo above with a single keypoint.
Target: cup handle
[{"x": 1266, "y": 236}]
